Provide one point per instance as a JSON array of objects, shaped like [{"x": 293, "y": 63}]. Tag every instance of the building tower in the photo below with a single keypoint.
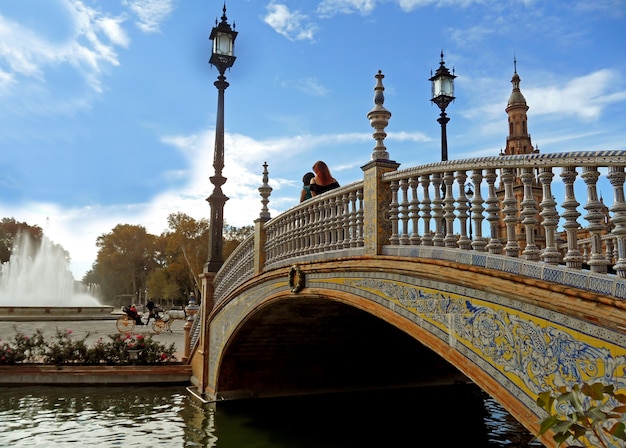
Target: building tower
[{"x": 518, "y": 142}]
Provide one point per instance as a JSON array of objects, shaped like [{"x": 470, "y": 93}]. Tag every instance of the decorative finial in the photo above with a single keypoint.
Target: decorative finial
[
  {"x": 265, "y": 190},
  {"x": 379, "y": 119},
  {"x": 514, "y": 63}
]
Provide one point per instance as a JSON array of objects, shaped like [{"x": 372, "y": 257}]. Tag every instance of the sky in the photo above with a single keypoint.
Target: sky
[{"x": 108, "y": 108}]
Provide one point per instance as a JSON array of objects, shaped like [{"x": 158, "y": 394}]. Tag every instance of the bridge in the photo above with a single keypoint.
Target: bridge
[{"x": 404, "y": 279}]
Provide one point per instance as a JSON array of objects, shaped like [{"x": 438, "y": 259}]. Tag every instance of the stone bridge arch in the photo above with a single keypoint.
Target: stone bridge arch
[{"x": 390, "y": 321}]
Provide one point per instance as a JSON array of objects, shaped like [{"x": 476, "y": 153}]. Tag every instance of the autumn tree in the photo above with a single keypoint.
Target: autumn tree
[
  {"x": 125, "y": 257},
  {"x": 181, "y": 253}
]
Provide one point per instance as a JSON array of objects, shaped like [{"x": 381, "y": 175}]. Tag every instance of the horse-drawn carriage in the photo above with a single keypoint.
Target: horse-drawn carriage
[{"x": 162, "y": 319}]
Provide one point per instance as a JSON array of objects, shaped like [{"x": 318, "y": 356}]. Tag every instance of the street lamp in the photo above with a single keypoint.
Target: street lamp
[
  {"x": 222, "y": 57},
  {"x": 470, "y": 194},
  {"x": 442, "y": 95}
]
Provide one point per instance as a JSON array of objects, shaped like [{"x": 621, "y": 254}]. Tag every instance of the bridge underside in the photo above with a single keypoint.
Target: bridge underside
[{"x": 313, "y": 345}]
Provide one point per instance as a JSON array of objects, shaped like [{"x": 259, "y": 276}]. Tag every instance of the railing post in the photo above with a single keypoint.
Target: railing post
[
  {"x": 260, "y": 235},
  {"x": 376, "y": 200},
  {"x": 376, "y": 193}
]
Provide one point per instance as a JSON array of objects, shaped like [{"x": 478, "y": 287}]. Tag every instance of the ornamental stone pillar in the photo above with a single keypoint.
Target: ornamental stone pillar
[{"x": 376, "y": 193}]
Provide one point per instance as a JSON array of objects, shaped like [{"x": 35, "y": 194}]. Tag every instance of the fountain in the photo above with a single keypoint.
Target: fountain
[{"x": 37, "y": 285}]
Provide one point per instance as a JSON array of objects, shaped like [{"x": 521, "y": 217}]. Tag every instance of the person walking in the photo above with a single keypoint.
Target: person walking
[{"x": 323, "y": 180}]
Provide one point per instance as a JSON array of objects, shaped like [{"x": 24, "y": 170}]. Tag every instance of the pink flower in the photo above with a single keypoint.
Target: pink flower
[
  {"x": 69, "y": 331},
  {"x": 163, "y": 356}
]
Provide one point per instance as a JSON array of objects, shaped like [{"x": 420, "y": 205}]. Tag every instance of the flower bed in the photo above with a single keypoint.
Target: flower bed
[{"x": 63, "y": 350}]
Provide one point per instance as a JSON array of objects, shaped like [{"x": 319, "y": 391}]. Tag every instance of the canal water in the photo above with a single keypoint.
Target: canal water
[{"x": 455, "y": 416}]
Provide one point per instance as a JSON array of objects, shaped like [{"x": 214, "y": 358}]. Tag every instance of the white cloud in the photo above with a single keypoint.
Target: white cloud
[
  {"x": 331, "y": 7},
  {"x": 309, "y": 86},
  {"x": 90, "y": 43},
  {"x": 150, "y": 13},
  {"x": 292, "y": 25},
  {"x": 585, "y": 97}
]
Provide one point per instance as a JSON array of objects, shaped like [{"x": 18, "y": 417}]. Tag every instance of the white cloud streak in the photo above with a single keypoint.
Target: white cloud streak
[{"x": 150, "y": 13}]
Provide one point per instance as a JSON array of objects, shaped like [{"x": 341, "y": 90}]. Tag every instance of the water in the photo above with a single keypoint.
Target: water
[
  {"x": 169, "y": 417},
  {"x": 42, "y": 279}
]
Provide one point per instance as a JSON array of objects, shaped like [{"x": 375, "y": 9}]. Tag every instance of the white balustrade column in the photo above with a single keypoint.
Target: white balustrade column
[
  {"x": 463, "y": 211},
  {"x": 493, "y": 213},
  {"x": 573, "y": 258},
  {"x": 616, "y": 176},
  {"x": 427, "y": 238},
  {"x": 595, "y": 218},
  {"x": 550, "y": 216},
  {"x": 479, "y": 242},
  {"x": 510, "y": 213},
  {"x": 414, "y": 212},
  {"x": 528, "y": 215},
  {"x": 438, "y": 210}
]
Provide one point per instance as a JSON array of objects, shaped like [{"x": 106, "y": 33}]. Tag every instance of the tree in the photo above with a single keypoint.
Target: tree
[
  {"x": 10, "y": 229},
  {"x": 182, "y": 251},
  {"x": 125, "y": 257}
]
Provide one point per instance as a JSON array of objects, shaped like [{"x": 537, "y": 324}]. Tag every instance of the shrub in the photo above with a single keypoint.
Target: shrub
[{"x": 63, "y": 349}]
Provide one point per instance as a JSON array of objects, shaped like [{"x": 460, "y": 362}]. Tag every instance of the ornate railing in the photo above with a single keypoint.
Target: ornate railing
[
  {"x": 558, "y": 219},
  {"x": 430, "y": 207},
  {"x": 332, "y": 221}
]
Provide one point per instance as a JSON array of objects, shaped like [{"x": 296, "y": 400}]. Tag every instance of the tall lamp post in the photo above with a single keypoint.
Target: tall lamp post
[
  {"x": 442, "y": 95},
  {"x": 222, "y": 57}
]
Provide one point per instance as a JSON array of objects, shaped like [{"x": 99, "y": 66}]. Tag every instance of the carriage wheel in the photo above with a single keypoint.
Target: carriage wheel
[
  {"x": 158, "y": 326},
  {"x": 125, "y": 324}
]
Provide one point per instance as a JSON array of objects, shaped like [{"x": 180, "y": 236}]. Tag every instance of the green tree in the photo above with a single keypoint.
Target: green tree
[{"x": 10, "y": 229}]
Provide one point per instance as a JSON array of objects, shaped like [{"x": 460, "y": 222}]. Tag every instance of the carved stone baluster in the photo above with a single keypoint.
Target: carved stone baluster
[
  {"x": 479, "y": 242},
  {"x": 462, "y": 211},
  {"x": 347, "y": 215},
  {"x": 289, "y": 226},
  {"x": 427, "y": 238},
  {"x": 312, "y": 222},
  {"x": 528, "y": 215},
  {"x": 449, "y": 216},
  {"x": 595, "y": 218},
  {"x": 353, "y": 211},
  {"x": 616, "y": 176},
  {"x": 339, "y": 222},
  {"x": 493, "y": 213},
  {"x": 438, "y": 210},
  {"x": 328, "y": 223},
  {"x": 414, "y": 212},
  {"x": 573, "y": 258},
  {"x": 304, "y": 226},
  {"x": 359, "y": 218},
  {"x": 394, "y": 239},
  {"x": 331, "y": 224},
  {"x": 510, "y": 213},
  {"x": 319, "y": 227},
  {"x": 550, "y": 254},
  {"x": 404, "y": 211}
]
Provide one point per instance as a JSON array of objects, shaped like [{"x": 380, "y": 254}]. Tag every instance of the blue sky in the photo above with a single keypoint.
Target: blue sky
[{"x": 108, "y": 108}]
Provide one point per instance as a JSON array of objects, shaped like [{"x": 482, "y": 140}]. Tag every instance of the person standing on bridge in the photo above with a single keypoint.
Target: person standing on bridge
[
  {"x": 323, "y": 180},
  {"x": 306, "y": 187}
]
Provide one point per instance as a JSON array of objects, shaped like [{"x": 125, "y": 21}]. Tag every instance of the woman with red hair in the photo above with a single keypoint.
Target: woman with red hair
[{"x": 323, "y": 180}]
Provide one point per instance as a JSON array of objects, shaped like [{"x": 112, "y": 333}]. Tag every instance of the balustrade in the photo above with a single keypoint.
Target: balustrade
[{"x": 516, "y": 198}]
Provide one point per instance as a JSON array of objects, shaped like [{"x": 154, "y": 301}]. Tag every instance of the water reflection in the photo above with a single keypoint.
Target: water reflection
[{"x": 170, "y": 417}]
